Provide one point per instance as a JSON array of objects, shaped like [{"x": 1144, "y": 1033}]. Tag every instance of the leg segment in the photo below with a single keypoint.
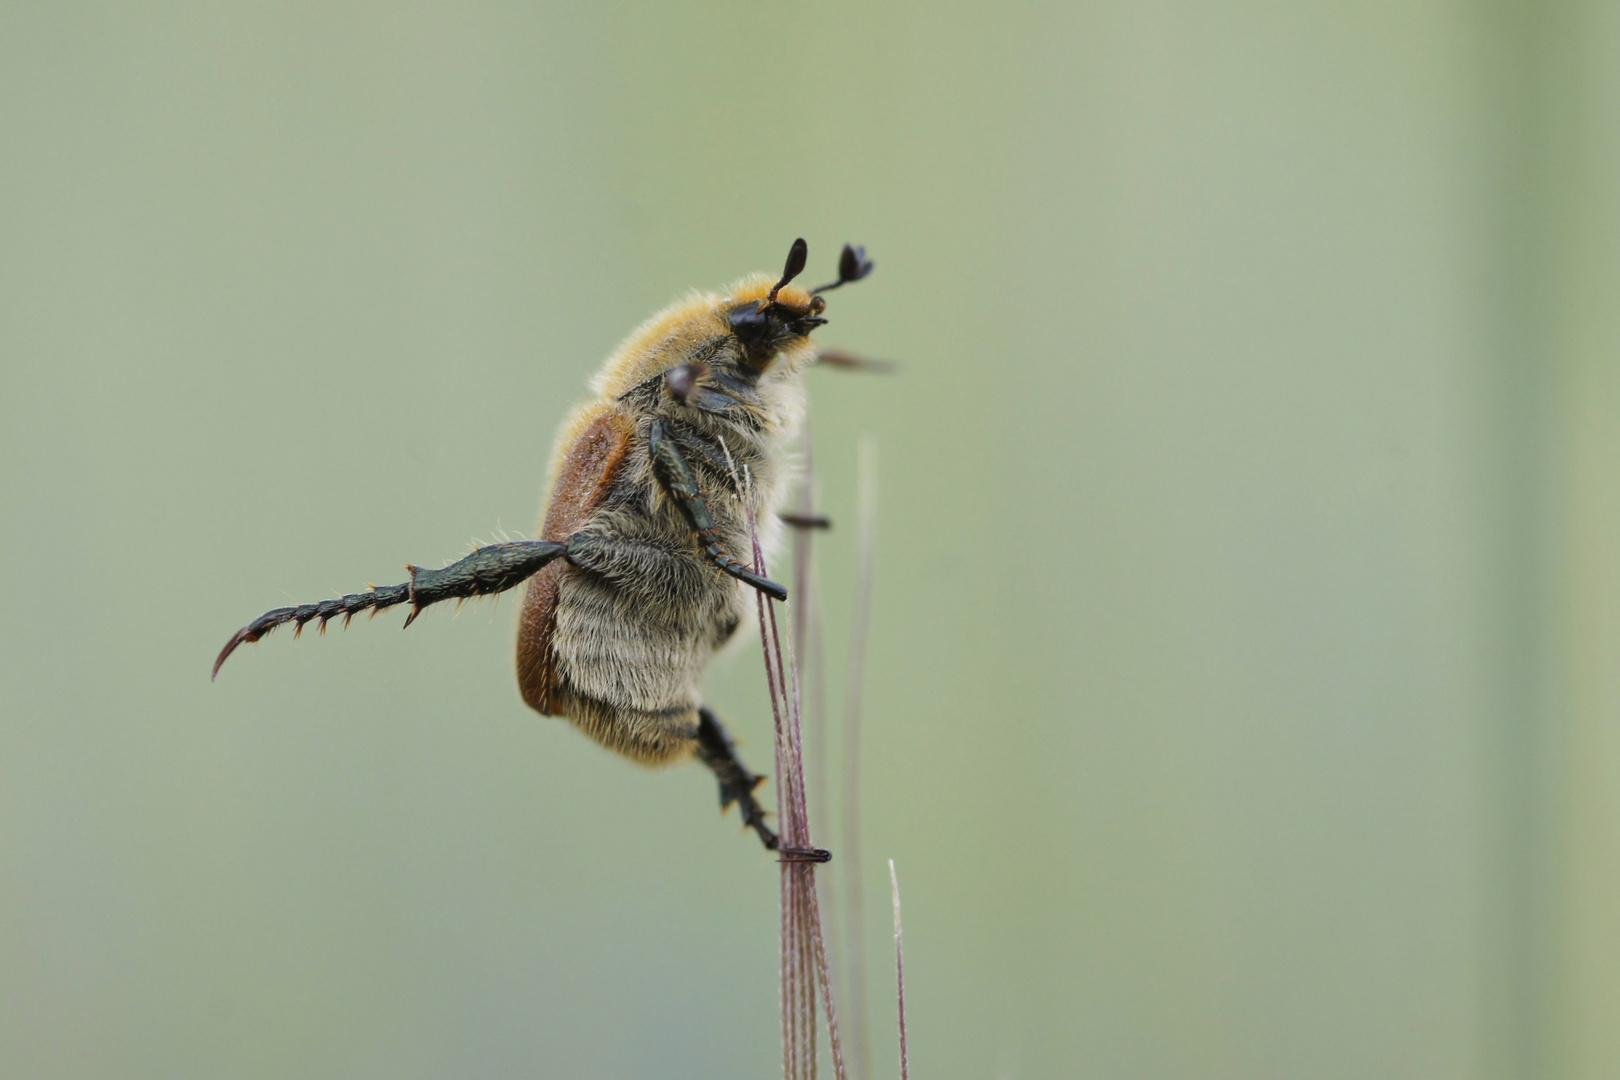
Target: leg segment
[
  {"x": 737, "y": 784},
  {"x": 675, "y": 473},
  {"x": 491, "y": 569}
]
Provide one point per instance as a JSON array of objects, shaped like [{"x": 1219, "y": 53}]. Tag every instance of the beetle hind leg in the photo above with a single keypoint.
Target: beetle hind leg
[
  {"x": 737, "y": 784},
  {"x": 663, "y": 737}
]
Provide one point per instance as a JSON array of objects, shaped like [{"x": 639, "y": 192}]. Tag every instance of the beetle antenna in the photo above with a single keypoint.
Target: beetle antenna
[
  {"x": 852, "y": 266},
  {"x": 797, "y": 254}
]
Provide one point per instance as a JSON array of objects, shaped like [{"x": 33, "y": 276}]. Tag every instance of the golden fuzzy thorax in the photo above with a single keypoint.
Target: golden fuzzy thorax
[
  {"x": 673, "y": 334},
  {"x": 619, "y": 645}
]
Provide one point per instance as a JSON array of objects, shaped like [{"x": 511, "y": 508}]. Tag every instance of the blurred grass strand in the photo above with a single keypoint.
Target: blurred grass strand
[{"x": 855, "y": 686}]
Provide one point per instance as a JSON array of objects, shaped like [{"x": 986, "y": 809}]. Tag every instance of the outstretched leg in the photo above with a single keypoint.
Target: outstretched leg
[
  {"x": 675, "y": 473},
  {"x": 737, "y": 784},
  {"x": 491, "y": 569}
]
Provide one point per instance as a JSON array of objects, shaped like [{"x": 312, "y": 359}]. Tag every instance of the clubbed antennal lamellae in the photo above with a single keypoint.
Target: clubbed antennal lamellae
[{"x": 853, "y": 265}]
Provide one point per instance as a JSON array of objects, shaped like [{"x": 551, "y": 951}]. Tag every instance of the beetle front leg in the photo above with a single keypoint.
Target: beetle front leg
[{"x": 678, "y": 479}]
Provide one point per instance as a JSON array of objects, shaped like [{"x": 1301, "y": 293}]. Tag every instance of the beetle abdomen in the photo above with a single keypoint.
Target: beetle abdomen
[{"x": 617, "y": 637}]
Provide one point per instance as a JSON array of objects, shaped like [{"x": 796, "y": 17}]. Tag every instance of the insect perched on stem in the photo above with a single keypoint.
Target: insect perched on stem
[{"x": 656, "y": 484}]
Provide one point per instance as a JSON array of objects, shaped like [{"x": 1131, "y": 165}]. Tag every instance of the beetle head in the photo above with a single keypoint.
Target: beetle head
[{"x": 764, "y": 327}]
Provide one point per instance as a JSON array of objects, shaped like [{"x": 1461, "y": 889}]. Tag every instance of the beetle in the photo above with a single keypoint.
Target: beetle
[{"x": 657, "y": 484}]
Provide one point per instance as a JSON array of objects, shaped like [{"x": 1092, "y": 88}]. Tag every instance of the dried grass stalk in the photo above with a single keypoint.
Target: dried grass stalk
[
  {"x": 805, "y": 964},
  {"x": 804, "y": 954},
  {"x": 810, "y": 661}
]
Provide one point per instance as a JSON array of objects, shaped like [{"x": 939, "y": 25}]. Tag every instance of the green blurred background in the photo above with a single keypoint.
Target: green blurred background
[{"x": 1244, "y": 689}]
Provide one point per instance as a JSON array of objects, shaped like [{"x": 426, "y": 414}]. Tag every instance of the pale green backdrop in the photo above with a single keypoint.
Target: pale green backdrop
[{"x": 1244, "y": 690}]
